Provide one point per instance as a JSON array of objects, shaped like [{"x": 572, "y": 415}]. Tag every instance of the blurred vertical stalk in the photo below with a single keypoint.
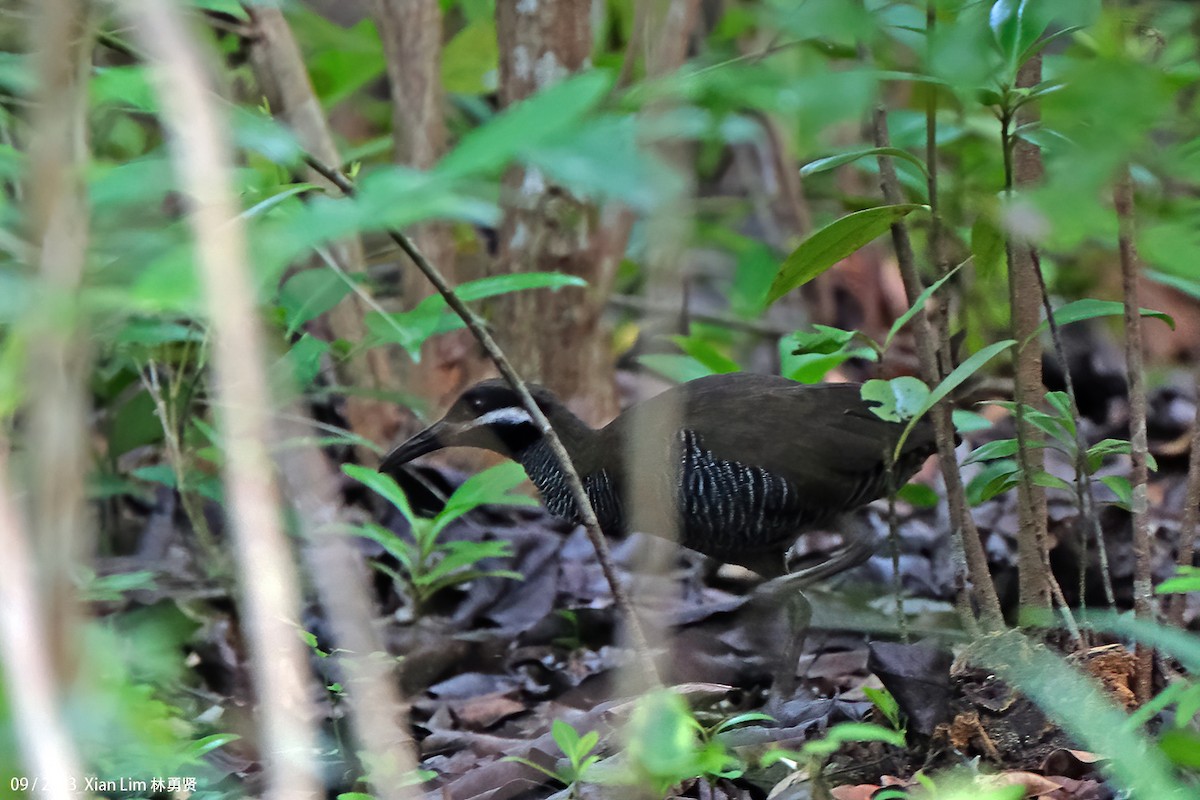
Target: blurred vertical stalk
[
  {"x": 1191, "y": 510},
  {"x": 665, "y": 27},
  {"x": 378, "y": 717},
  {"x": 39, "y": 626},
  {"x": 1143, "y": 590},
  {"x": 29, "y": 672},
  {"x": 59, "y": 355},
  {"x": 270, "y": 595}
]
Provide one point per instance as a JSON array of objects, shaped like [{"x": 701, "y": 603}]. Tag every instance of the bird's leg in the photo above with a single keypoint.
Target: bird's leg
[{"x": 859, "y": 543}]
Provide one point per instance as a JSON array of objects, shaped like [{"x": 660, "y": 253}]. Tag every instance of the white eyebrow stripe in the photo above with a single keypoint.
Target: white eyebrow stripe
[{"x": 504, "y": 416}]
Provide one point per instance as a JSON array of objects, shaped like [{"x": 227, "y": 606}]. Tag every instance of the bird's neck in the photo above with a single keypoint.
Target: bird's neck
[{"x": 580, "y": 442}]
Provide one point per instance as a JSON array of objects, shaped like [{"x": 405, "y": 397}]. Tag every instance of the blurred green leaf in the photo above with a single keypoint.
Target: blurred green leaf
[
  {"x": 1186, "y": 579},
  {"x": 832, "y": 162},
  {"x": 526, "y": 125},
  {"x": 233, "y": 8},
  {"x": 1076, "y": 702},
  {"x": 471, "y": 59},
  {"x": 677, "y": 368},
  {"x": 706, "y": 353},
  {"x": 309, "y": 294}
]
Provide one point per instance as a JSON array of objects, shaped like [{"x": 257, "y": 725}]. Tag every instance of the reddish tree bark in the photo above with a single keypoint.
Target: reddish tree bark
[{"x": 556, "y": 338}]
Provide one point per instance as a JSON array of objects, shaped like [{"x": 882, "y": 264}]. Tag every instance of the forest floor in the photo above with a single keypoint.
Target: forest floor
[{"x": 490, "y": 664}]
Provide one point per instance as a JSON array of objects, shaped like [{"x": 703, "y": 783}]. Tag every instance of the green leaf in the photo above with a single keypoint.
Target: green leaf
[
  {"x": 806, "y": 357},
  {"x": 1090, "y": 308},
  {"x": 471, "y": 59},
  {"x": 951, "y": 382},
  {"x": 384, "y": 486},
  {"x": 1120, "y": 486},
  {"x": 706, "y": 353},
  {"x": 309, "y": 294},
  {"x": 483, "y": 288},
  {"x": 831, "y": 244},
  {"x": 987, "y": 245},
  {"x": 525, "y": 125},
  {"x": 1186, "y": 579},
  {"x": 460, "y": 555},
  {"x": 492, "y": 486},
  {"x": 1048, "y": 481},
  {"x": 1182, "y": 747},
  {"x": 1188, "y": 286},
  {"x": 302, "y": 363},
  {"x": 832, "y": 162},
  {"x": 918, "y": 495},
  {"x": 233, "y": 8},
  {"x": 678, "y": 368},
  {"x": 899, "y": 398},
  {"x": 969, "y": 421},
  {"x": 204, "y": 746},
  {"x": 1000, "y": 448},
  {"x": 921, "y": 300},
  {"x": 994, "y": 479},
  {"x": 411, "y": 329},
  {"x": 1016, "y": 28},
  {"x": 400, "y": 549}
]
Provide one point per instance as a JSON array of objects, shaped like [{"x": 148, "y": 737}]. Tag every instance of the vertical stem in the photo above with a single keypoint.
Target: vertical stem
[
  {"x": 1191, "y": 510},
  {"x": 26, "y": 654},
  {"x": 1022, "y": 167},
  {"x": 1142, "y": 589}
]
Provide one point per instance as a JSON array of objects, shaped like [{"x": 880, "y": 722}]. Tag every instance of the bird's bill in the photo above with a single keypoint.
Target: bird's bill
[{"x": 435, "y": 437}]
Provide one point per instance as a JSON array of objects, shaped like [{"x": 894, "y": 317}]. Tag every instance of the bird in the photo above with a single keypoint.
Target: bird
[{"x": 753, "y": 461}]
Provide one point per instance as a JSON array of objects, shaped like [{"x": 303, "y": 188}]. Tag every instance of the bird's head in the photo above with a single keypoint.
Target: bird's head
[{"x": 489, "y": 415}]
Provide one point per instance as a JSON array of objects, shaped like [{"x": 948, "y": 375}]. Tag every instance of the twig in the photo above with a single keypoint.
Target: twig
[
  {"x": 1083, "y": 489},
  {"x": 1191, "y": 510},
  {"x": 1023, "y": 167},
  {"x": 270, "y": 592},
  {"x": 493, "y": 351},
  {"x": 756, "y": 327},
  {"x": 1143, "y": 590},
  {"x": 148, "y": 373}
]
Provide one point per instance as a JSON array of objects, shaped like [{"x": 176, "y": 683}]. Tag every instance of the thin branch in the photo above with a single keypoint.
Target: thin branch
[
  {"x": 1191, "y": 510},
  {"x": 1143, "y": 589},
  {"x": 1083, "y": 490},
  {"x": 493, "y": 352}
]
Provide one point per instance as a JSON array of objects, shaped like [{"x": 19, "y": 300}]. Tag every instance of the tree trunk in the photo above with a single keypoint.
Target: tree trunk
[{"x": 555, "y": 338}]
